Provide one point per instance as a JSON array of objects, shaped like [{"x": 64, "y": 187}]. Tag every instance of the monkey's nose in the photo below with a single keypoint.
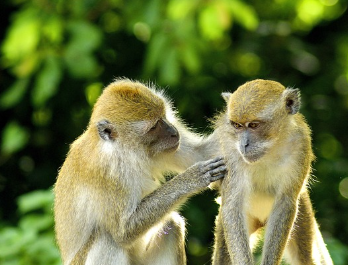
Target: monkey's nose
[
  {"x": 173, "y": 132},
  {"x": 244, "y": 145}
]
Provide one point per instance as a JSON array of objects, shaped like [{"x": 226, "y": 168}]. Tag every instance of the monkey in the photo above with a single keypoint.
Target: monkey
[
  {"x": 112, "y": 204},
  {"x": 267, "y": 147}
]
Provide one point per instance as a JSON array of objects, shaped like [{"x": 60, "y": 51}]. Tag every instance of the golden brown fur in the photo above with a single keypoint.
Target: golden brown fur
[
  {"x": 111, "y": 205},
  {"x": 126, "y": 101},
  {"x": 267, "y": 145}
]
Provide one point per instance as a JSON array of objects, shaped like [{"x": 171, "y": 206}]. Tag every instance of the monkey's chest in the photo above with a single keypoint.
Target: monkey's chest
[
  {"x": 264, "y": 185},
  {"x": 268, "y": 178},
  {"x": 259, "y": 205}
]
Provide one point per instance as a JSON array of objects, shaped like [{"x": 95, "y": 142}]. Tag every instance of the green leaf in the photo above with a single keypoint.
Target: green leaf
[
  {"x": 210, "y": 23},
  {"x": 92, "y": 92},
  {"x": 23, "y": 36},
  {"x": 14, "y": 93},
  {"x": 53, "y": 29},
  {"x": 44, "y": 250},
  {"x": 84, "y": 35},
  {"x": 85, "y": 38},
  {"x": 179, "y": 9},
  {"x": 244, "y": 14},
  {"x": 310, "y": 11},
  {"x": 14, "y": 138},
  {"x": 35, "y": 200},
  {"x": 47, "y": 81},
  {"x": 13, "y": 240},
  {"x": 36, "y": 222}
]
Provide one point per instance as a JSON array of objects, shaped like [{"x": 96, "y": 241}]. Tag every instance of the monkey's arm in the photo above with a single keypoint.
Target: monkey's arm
[
  {"x": 167, "y": 197},
  {"x": 285, "y": 208},
  {"x": 220, "y": 255},
  {"x": 194, "y": 148},
  {"x": 209, "y": 147},
  {"x": 278, "y": 229},
  {"x": 234, "y": 220}
]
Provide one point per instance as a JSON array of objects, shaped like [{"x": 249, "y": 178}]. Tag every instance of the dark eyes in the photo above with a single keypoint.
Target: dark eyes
[
  {"x": 252, "y": 125},
  {"x": 236, "y": 125}
]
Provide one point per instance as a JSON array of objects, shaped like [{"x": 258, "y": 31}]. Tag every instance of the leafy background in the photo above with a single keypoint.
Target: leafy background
[{"x": 57, "y": 55}]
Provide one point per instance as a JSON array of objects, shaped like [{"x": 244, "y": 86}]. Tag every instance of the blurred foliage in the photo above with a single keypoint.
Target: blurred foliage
[
  {"x": 32, "y": 241},
  {"x": 57, "y": 55}
]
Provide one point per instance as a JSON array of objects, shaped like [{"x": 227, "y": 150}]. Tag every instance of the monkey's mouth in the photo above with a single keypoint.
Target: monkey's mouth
[
  {"x": 251, "y": 157},
  {"x": 173, "y": 148}
]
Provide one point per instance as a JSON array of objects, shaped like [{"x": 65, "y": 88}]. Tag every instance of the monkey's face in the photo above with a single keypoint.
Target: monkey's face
[
  {"x": 161, "y": 136},
  {"x": 258, "y": 113},
  {"x": 133, "y": 115},
  {"x": 155, "y": 136},
  {"x": 252, "y": 139}
]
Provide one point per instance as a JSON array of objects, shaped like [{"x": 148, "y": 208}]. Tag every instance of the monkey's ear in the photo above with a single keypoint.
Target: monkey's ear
[
  {"x": 226, "y": 96},
  {"x": 106, "y": 130},
  {"x": 292, "y": 98}
]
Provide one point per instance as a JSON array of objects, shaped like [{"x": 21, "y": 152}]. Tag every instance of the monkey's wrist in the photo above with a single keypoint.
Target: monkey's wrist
[{"x": 189, "y": 183}]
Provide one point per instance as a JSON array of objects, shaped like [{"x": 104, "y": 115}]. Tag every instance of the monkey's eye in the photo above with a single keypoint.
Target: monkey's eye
[
  {"x": 253, "y": 125},
  {"x": 236, "y": 125}
]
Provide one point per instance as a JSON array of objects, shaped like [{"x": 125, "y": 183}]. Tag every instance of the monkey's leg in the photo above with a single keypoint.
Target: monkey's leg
[
  {"x": 104, "y": 251},
  {"x": 306, "y": 245},
  {"x": 220, "y": 255},
  {"x": 166, "y": 243},
  {"x": 255, "y": 232},
  {"x": 319, "y": 247},
  {"x": 81, "y": 255}
]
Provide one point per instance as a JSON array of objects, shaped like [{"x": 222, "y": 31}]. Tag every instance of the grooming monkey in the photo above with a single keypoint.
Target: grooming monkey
[
  {"x": 267, "y": 146},
  {"x": 110, "y": 204}
]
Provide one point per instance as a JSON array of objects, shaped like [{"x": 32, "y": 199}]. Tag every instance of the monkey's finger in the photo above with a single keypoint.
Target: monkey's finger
[
  {"x": 215, "y": 164},
  {"x": 218, "y": 170},
  {"x": 214, "y": 160},
  {"x": 217, "y": 177}
]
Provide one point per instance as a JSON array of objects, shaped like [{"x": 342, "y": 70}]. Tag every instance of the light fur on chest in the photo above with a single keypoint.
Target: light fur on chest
[
  {"x": 260, "y": 206},
  {"x": 265, "y": 181}
]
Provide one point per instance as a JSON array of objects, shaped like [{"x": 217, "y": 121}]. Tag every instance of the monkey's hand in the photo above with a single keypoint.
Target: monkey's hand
[
  {"x": 171, "y": 194},
  {"x": 201, "y": 174}
]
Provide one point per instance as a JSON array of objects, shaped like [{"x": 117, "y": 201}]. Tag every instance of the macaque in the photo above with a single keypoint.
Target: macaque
[
  {"x": 267, "y": 146},
  {"x": 112, "y": 203}
]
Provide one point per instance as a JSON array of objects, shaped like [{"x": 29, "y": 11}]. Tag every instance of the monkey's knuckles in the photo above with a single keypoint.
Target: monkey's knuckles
[
  {"x": 215, "y": 167},
  {"x": 214, "y": 162},
  {"x": 218, "y": 170},
  {"x": 203, "y": 173}
]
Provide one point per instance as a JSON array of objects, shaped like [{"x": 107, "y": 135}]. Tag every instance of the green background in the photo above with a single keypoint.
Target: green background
[{"x": 57, "y": 55}]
